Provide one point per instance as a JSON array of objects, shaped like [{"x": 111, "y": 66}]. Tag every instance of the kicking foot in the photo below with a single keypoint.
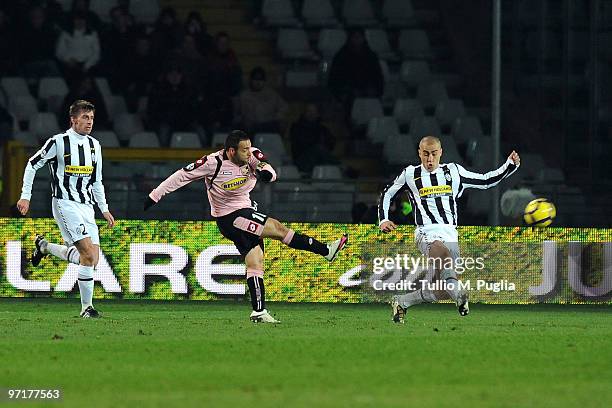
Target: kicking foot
[
  {"x": 463, "y": 304},
  {"x": 90, "y": 313},
  {"x": 40, "y": 245},
  {"x": 398, "y": 311},
  {"x": 263, "y": 317},
  {"x": 335, "y": 247}
]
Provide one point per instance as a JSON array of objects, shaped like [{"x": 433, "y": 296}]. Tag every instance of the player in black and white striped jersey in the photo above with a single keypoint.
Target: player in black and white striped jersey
[
  {"x": 433, "y": 189},
  {"x": 74, "y": 159}
]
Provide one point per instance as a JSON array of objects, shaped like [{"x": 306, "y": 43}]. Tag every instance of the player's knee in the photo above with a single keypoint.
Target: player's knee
[
  {"x": 89, "y": 256},
  {"x": 278, "y": 229}
]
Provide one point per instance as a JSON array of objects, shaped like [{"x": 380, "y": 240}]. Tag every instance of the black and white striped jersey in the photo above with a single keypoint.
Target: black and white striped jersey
[
  {"x": 75, "y": 164},
  {"x": 433, "y": 195}
]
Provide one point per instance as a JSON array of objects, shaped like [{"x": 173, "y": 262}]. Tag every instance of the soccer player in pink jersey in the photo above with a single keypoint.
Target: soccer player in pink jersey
[{"x": 230, "y": 175}]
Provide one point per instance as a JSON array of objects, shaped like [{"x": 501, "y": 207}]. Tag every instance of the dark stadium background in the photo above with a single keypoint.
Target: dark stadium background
[{"x": 435, "y": 61}]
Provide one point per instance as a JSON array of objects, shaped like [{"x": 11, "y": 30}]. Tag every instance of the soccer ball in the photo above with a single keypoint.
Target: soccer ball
[{"x": 539, "y": 213}]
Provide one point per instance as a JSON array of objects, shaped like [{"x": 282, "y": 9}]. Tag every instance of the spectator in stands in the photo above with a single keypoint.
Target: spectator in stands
[
  {"x": 192, "y": 62},
  {"x": 260, "y": 108},
  {"x": 78, "y": 49},
  {"x": 168, "y": 33},
  {"x": 174, "y": 106},
  {"x": 37, "y": 39},
  {"x": 116, "y": 47},
  {"x": 197, "y": 28},
  {"x": 139, "y": 72},
  {"x": 82, "y": 7},
  {"x": 225, "y": 80},
  {"x": 355, "y": 70},
  {"x": 311, "y": 142},
  {"x": 84, "y": 88},
  {"x": 8, "y": 46}
]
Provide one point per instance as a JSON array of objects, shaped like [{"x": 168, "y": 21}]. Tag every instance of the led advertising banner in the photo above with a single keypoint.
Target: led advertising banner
[{"x": 191, "y": 260}]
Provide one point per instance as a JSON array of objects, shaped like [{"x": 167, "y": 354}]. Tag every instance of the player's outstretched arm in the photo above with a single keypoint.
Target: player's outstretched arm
[
  {"x": 197, "y": 170},
  {"x": 470, "y": 179},
  {"x": 384, "y": 202}
]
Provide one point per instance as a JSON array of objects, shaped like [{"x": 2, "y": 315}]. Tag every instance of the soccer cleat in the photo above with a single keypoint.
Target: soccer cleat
[
  {"x": 463, "y": 304},
  {"x": 90, "y": 313},
  {"x": 398, "y": 311},
  {"x": 335, "y": 247},
  {"x": 263, "y": 317},
  {"x": 38, "y": 254}
]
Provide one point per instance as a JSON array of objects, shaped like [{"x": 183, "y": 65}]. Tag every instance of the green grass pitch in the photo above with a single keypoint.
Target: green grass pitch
[{"x": 208, "y": 354}]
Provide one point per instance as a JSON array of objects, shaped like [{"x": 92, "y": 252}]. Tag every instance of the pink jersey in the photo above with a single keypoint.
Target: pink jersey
[{"x": 231, "y": 186}]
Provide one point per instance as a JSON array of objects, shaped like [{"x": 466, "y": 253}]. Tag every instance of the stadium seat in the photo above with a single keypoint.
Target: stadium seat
[
  {"x": 293, "y": 43},
  {"x": 103, "y": 86},
  {"x": 127, "y": 124},
  {"x": 407, "y": 109},
  {"x": 414, "y": 44},
  {"x": 400, "y": 150},
  {"x": 66, "y": 4},
  {"x": 358, "y": 13},
  {"x": 398, "y": 13},
  {"x": 27, "y": 138},
  {"x": 449, "y": 110},
  {"x": 102, "y": 8},
  {"x": 330, "y": 41},
  {"x": 424, "y": 126},
  {"x": 379, "y": 43},
  {"x": 465, "y": 128},
  {"x": 115, "y": 105},
  {"x": 43, "y": 124},
  {"x": 185, "y": 140},
  {"x": 431, "y": 94},
  {"x": 301, "y": 79},
  {"x": 450, "y": 153},
  {"x": 53, "y": 90},
  {"x": 272, "y": 146},
  {"x": 107, "y": 138},
  {"x": 393, "y": 91},
  {"x": 365, "y": 109},
  {"x": 144, "y": 11},
  {"x": 318, "y": 13},
  {"x": 278, "y": 13},
  {"x": 288, "y": 172},
  {"x": 144, "y": 139},
  {"x": 414, "y": 73},
  {"x": 23, "y": 107},
  {"x": 380, "y": 129},
  {"x": 15, "y": 86},
  {"x": 326, "y": 172},
  {"x": 218, "y": 140}
]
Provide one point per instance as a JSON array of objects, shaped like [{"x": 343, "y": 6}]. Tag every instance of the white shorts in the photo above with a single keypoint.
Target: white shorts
[
  {"x": 75, "y": 221},
  {"x": 425, "y": 235}
]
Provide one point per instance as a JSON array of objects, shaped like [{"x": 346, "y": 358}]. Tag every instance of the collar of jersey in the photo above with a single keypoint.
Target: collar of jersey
[{"x": 72, "y": 132}]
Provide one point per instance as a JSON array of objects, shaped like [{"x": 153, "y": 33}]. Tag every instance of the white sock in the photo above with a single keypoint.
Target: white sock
[
  {"x": 86, "y": 285},
  {"x": 70, "y": 254},
  {"x": 416, "y": 297},
  {"x": 452, "y": 283}
]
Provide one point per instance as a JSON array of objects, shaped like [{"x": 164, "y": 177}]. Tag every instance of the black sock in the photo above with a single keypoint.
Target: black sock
[
  {"x": 257, "y": 292},
  {"x": 306, "y": 243}
]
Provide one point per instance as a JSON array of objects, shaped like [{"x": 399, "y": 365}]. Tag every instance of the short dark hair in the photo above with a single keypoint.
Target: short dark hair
[
  {"x": 80, "y": 105},
  {"x": 234, "y": 138}
]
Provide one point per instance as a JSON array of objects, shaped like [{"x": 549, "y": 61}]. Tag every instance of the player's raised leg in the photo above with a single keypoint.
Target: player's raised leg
[
  {"x": 276, "y": 230},
  {"x": 254, "y": 271},
  {"x": 88, "y": 253},
  {"x": 42, "y": 248},
  {"x": 441, "y": 255}
]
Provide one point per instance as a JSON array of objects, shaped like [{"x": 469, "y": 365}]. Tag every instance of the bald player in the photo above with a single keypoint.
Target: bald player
[{"x": 433, "y": 189}]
